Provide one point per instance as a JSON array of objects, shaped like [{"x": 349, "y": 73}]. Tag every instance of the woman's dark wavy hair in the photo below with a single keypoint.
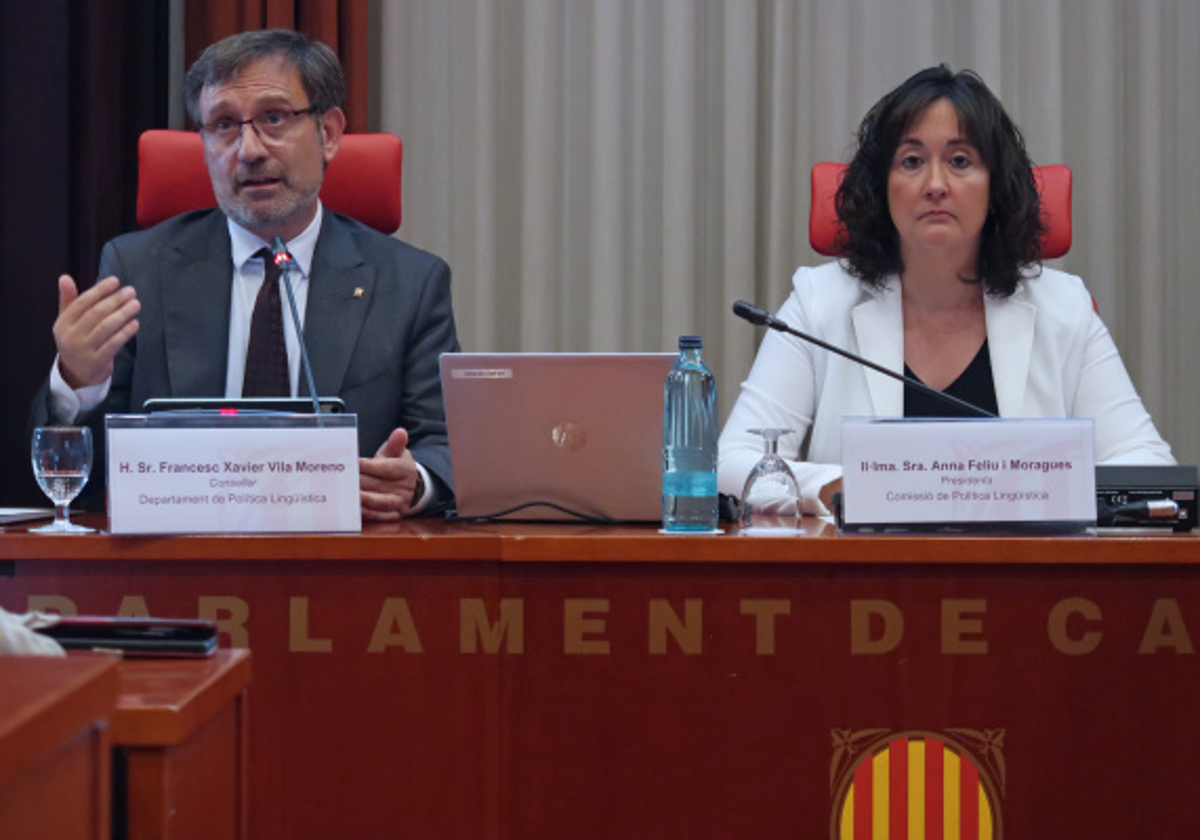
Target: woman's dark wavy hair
[{"x": 1010, "y": 240}]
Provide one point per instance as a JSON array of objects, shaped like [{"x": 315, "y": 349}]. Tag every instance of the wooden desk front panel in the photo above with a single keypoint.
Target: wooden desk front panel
[
  {"x": 192, "y": 790},
  {"x": 711, "y": 702},
  {"x": 363, "y": 712},
  {"x": 63, "y": 797},
  {"x": 54, "y": 759},
  {"x": 180, "y": 733},
  {"x": 614, "y": 684}
]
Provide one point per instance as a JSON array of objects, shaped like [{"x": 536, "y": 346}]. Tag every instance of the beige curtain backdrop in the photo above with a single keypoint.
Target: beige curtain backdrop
[{"x": 607, "y": 175}]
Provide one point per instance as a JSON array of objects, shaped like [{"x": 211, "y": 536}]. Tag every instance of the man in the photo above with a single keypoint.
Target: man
[{"x": 173, "y": 314}]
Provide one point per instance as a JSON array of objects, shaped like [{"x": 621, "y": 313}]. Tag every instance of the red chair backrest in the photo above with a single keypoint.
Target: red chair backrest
[
  {"x": 1054, "y": 187},
  {"x": 362, "y": 182}
]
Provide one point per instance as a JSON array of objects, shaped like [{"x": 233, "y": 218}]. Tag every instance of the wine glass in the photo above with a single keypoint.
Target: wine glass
[
  {"x": 62, "y": 461},
  {"x": 771, "y": 498}
]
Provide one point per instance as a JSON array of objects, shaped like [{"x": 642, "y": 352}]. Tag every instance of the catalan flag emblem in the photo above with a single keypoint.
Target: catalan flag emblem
[{"x": 917, "y": 785}]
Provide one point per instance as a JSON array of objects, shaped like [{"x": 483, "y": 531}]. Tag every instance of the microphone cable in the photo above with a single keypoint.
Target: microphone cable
[
  {"x": 727, "y": 509},
  {"x": 597, "y": 519}
]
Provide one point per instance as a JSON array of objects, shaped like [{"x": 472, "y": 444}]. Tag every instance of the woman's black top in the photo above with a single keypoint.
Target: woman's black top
[{"x": 974, "y": 385}]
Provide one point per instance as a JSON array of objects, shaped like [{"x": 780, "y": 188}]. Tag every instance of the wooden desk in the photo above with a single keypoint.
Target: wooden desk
[
  {"x": 180, "y": 733},
  {"x": 431, "y": 680},
  {"x": 54, "y": 759}
]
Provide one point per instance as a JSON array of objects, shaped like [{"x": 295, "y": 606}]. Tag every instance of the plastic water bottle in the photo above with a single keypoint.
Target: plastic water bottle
[{"x": 689, "y": 493}]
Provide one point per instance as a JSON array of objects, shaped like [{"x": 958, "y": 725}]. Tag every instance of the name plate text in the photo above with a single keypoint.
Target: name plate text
[
  {"x": 927, "y": 475},
  {"x": 171, "y": 474}
]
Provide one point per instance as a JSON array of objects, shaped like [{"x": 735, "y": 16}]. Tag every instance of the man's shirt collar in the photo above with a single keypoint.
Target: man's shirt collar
[{"x": 244, "y": 244}]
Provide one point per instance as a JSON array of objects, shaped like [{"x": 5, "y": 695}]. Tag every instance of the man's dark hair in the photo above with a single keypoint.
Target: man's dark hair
[
  {"x": 1010, "y": 240},
  {"x": 320, "y": 71}
]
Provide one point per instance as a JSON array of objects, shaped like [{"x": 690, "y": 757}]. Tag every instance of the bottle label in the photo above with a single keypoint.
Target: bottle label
[{"x": 703, "y": 484}]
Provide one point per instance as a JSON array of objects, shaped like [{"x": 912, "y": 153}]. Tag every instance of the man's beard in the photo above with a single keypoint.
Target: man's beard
[{"x": 253, "y": 215}]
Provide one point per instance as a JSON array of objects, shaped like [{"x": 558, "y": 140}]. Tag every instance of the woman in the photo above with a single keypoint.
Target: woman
[{"x": 940, "y": 278}]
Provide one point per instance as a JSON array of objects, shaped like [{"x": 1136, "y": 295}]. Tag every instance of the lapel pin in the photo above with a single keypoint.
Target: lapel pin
[{"x": 358, "y": 292}]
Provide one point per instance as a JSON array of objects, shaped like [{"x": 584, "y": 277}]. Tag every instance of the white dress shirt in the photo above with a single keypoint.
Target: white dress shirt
[
  {"x": 248, "y": 274},
  {"x": 17, "y": 636}
]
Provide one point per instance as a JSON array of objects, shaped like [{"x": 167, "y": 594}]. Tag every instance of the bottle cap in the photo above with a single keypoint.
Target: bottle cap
[{"x": 690, "y": 342}]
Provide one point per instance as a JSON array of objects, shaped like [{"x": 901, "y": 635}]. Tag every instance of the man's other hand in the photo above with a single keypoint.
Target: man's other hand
[{"x": 91, "y": 328}]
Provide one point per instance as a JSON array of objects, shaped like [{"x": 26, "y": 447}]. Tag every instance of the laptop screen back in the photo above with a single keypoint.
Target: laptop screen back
[{"x": 578, "y": 430}]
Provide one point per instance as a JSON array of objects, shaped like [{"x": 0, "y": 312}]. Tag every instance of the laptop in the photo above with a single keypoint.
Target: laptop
[{"x": 556, "y": 436}]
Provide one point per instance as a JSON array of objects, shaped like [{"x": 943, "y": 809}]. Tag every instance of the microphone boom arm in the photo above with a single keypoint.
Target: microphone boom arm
[
  {"x": 760, "y": 317},
  {"x": 284, "y": 260}
]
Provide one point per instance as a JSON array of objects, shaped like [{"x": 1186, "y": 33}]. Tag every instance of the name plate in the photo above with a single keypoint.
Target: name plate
[
  {"x": 967, "y": 475},
  {"x": 247, "y": 473}
]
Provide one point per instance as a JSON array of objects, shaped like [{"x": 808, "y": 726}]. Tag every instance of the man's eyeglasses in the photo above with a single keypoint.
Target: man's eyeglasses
[{"x": 270, "y": 126}]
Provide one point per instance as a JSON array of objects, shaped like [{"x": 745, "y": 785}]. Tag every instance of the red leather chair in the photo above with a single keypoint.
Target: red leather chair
[
  {"x": 1054, "y": 187},
  {"x": 362, "y": 182}
]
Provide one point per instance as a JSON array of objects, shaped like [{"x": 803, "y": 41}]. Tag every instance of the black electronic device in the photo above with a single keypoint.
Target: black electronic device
[
  {"x": 148, "y": 637},
  {"x": 1146, "y": 496}
]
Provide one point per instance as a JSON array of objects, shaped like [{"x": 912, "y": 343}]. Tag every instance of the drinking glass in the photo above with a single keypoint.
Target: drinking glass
[
  {"x": 771, "y": 498},
  {"x": 62, "y": 460}
]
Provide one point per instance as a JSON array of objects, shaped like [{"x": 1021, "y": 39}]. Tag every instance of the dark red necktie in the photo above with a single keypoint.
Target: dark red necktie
[{"x": 266, "y": 357}]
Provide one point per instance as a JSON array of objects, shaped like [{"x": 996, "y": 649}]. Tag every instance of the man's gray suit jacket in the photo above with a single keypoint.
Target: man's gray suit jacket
[{"x": 377, "y": 319}]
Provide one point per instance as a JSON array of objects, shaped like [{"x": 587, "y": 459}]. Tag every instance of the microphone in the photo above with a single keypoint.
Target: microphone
[
  {"x": 283, "y": 260},
  {"x": 760, "y": 317}
]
